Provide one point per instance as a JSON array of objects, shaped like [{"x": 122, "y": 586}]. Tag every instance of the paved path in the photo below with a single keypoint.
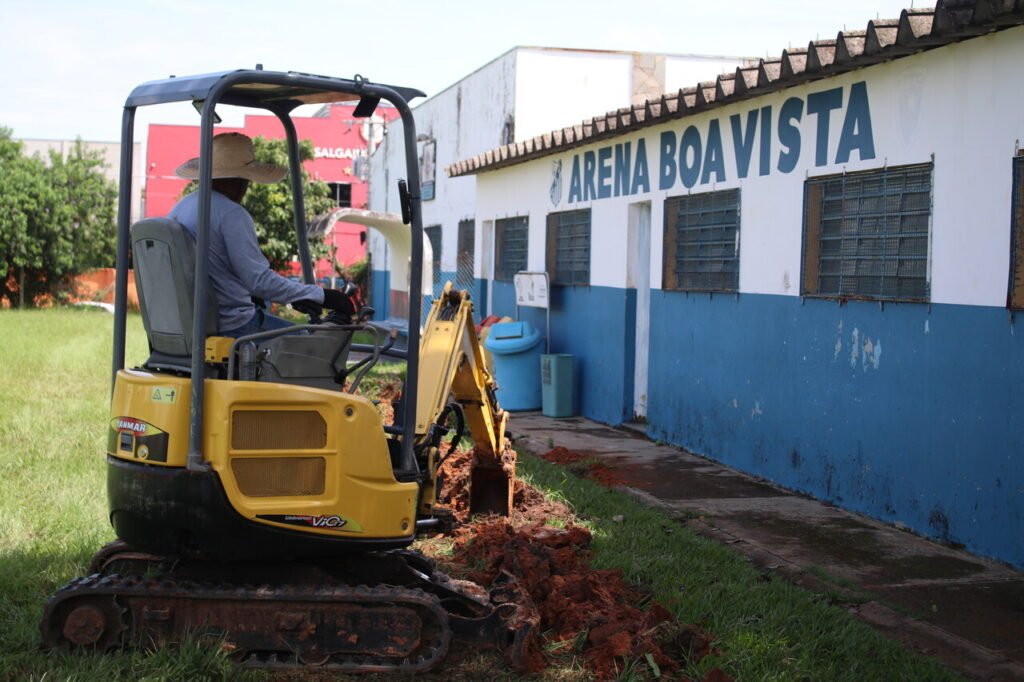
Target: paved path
[{"x": 966, "y": 611}]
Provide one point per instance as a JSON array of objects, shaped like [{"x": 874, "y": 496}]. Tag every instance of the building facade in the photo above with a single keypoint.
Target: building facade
[
  {"x": 340, "y": 142},
  {"x": 524, "y": 92},
  {"x": 811, "y": 269}
]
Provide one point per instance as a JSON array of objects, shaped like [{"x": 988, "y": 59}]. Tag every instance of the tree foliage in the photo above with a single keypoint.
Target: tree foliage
[{"x": 57, "y": 219}]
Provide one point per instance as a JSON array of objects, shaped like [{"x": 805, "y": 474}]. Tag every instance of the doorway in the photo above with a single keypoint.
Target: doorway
[{"x": 638, "y": 277}]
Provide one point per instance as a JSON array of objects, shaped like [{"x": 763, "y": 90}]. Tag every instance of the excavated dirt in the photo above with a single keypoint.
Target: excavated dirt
[
  {"x": 586, "y": 612},
  {"x": 388, "y": 393},
  {"x": 585, "y": 465},
  {"x": 592, "y": 613}
]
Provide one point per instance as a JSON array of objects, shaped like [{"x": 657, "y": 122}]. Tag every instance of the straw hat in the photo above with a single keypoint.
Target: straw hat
[{"x": 233, "y": 158}]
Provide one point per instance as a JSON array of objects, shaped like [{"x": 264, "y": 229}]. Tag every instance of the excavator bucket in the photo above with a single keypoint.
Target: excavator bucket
[{"x": 492, "y": 482}]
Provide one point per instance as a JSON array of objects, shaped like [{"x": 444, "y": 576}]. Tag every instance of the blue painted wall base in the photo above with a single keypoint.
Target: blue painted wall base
[{"x": 898, "y": 412}]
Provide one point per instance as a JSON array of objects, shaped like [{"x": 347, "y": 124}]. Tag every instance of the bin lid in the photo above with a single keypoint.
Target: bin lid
[{"x": 512, "y": 337}]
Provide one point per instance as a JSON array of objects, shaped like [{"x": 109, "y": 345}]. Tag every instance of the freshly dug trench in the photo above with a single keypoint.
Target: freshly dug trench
[{"x": 584, "y": 611}]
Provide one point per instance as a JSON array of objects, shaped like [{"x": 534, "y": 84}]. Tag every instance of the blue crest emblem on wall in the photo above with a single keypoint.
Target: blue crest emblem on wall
[{"x": 556, "y": 183}]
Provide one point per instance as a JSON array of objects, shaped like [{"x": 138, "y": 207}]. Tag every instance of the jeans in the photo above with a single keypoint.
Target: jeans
[{"x": 260, "y": 322}]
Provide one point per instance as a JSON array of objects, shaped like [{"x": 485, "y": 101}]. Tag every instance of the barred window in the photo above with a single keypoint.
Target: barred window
[
  {"x": 866, "y": 234},
  {"x": 464, "y": 267},
  {"x": 702, "y": 235},
  {"x": 434, "y": 235},
  {"x": 511, "y": 238},
  {"x": 568, "y": 247},
  {"x": 1016, "y": 295}
]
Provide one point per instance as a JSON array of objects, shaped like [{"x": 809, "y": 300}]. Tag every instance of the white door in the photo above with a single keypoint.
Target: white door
[{"x": 638, "y": 276}]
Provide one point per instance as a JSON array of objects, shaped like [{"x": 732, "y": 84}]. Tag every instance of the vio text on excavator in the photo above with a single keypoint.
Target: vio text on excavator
[{"x": 258, "y": 498}]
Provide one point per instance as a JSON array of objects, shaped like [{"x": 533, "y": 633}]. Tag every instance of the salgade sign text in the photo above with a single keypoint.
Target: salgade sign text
[{"x": 764, "y": 140}]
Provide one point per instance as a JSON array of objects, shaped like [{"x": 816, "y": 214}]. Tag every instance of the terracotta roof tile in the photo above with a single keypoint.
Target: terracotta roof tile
[{"x": 915, "y": 30}]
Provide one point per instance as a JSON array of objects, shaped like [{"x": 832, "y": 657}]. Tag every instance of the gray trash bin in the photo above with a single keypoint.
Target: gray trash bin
[{"x": 557, "y": 383}]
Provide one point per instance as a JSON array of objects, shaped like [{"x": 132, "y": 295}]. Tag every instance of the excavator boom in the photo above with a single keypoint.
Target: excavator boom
[{"x": 453, "y": 373}]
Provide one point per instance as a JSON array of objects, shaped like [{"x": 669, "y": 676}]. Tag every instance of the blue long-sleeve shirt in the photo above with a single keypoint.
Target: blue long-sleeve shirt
[{"x": 238, "y": 269}]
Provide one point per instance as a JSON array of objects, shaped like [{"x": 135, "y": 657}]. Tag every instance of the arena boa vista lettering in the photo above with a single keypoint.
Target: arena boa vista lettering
[{"x": 696, "y": 156}]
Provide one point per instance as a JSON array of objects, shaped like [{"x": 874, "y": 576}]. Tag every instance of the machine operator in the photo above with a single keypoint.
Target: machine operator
[{"x": 238, "y": 269}]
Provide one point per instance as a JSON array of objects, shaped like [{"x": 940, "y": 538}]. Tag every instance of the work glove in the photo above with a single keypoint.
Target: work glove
[
  {"x": 308, "y": 307},
  {"x": 340, "y": 300}
]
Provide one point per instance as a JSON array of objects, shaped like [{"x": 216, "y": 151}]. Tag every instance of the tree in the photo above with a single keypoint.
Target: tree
[
  {"x": 56, "y": 220},
  {"x": 91, "y": 199}
]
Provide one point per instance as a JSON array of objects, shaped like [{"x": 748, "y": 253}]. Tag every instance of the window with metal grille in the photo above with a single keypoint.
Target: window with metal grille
[
  {"x": 464, "y": 267},
  {"x": 568, "y": 247},
  {"x": 511, "y": 238},
  {"x": 866, "y": 234},
  {"x": 1015, "y": 299},
  {"x": 702, "y": 242},
  {"x": 434, "y": 235}
]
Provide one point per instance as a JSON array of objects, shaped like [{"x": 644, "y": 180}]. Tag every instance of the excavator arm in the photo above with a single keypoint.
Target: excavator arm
[{"x": 452, "y": 370}]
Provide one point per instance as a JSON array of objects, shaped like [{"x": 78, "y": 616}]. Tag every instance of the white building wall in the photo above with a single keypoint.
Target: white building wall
[
  {"x": 559, "y": 88},
  {"x": 952, "y": 104},
  {"x": 463, "y": 120},
  {"x": 535, "y": 89}
]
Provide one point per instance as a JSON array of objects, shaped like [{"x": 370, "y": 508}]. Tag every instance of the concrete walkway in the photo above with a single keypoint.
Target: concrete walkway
[{"x": 966, "y": 611}]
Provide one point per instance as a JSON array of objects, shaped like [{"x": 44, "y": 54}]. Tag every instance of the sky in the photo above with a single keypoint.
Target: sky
[{"x": 69, "y": 65}]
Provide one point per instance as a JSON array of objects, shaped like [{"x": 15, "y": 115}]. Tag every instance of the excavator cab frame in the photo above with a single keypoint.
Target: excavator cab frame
[
  {"x": 280, "y": 93},
  {"x": 282, "y": 526}
]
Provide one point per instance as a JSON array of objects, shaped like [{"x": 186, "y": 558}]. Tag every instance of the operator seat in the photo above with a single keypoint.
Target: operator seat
[
  {"x": 165, "y": 261},
  {"x": 165, "y": 256}
]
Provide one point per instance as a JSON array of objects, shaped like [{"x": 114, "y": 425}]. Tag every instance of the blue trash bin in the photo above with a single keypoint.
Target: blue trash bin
[{"x": 516, "y": 347}]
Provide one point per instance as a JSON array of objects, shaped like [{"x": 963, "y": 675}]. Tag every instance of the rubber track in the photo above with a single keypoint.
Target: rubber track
[{"x": 131, "y": 594}]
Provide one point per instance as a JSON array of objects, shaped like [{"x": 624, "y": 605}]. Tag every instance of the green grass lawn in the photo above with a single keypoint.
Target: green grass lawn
[
  {"x": 54, "y": 407},
  {"x": 765, "y": 627},
  {"x": 54, "y": 390}
]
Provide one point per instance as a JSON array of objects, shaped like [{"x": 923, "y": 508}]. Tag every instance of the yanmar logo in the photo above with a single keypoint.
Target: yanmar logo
[{"x": 132, "y": 425}]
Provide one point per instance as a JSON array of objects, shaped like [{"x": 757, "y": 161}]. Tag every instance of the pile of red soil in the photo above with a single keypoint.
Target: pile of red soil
[
  {"x": 563, "y": 456},
  {"x": 388, "y": 394},
  {"x": 594, "y": 470},
  {"x": 574, "y": 601},
  {"x": 591, "y": 612}
]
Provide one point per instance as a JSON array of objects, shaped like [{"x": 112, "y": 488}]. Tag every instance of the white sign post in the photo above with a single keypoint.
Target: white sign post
[{"x": 533, "y": 291}]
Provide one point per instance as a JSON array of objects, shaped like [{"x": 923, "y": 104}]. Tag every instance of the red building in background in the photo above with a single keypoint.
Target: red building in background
[{"x": 338, "y": 140}]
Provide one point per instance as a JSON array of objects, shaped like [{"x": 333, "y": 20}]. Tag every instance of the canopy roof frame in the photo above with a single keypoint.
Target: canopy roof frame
[{"x": 279, "y": 93}]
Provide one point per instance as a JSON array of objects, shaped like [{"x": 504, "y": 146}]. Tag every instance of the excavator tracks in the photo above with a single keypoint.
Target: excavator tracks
[{"x": 339, "y": 628}]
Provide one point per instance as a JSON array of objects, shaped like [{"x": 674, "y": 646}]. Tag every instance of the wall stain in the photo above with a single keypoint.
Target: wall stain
[
  {"x": 794, "y": 459},
  {"x": 854, "y": 347},
  {"x": 872, "y": 354},
  {"x": 939, "y": 522},
  {"x": 830, "y": 471}
]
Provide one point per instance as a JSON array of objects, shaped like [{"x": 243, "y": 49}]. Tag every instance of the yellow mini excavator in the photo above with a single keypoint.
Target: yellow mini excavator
[{"x": 258, "y": 498}]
